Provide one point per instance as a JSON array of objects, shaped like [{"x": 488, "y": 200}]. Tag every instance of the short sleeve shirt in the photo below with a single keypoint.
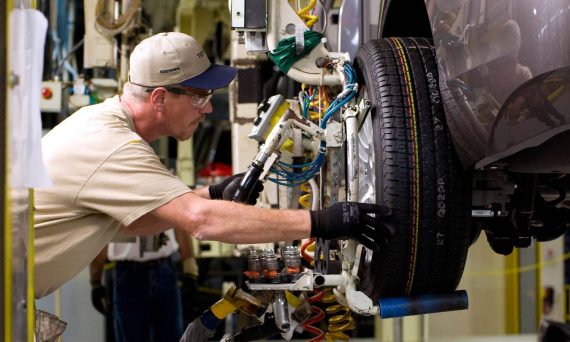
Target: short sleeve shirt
[
  {"x": 130, "y": 251},
  {"x": 104, "y": 176}
]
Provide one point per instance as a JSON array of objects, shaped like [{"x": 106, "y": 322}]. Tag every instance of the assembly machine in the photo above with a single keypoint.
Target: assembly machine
[{"x": 313, "y": 146}]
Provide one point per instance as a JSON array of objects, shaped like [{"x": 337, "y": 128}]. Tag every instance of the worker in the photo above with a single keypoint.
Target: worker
[
  {"x": 107, "y": 180},
  {"x": 144, "y": 290}
]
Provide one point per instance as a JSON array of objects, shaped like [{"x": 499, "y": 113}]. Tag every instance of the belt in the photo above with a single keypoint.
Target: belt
[{"x": 146, "y": 263}]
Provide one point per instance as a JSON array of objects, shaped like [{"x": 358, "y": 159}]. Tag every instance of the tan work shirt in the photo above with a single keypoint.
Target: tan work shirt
[{"x": 104, "y": 176}]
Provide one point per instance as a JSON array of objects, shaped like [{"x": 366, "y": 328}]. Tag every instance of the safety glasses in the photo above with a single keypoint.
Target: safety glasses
[{"x": 198, "y": 100}]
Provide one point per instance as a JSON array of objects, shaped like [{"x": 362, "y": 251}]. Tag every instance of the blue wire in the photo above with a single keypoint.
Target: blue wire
[
  {"x": 305, "y": 175},
  {"x": 295, "y": 166},
  {"x": 313, "y": 168}
]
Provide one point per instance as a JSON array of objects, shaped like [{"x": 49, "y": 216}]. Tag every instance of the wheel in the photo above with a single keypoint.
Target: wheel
[{"x": 408, "y": 163}]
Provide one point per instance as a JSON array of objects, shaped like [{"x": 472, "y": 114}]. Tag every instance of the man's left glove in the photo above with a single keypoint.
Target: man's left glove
[
  {"x": 99, "y": 298},
  {"x": 189, "y": 276},
  {"x": 352, "y": 220},
  {"x": 226, "y": 189},
  {"x": 188, "y": 284}
]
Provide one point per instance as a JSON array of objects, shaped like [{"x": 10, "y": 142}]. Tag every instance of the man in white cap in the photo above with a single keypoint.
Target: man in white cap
[{"x": 107, "y": 179}]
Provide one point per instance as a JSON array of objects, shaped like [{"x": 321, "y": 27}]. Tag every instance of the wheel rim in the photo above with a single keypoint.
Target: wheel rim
[
  {"x": 367, "y": 182},
  {"x": 367, "y": 176}
]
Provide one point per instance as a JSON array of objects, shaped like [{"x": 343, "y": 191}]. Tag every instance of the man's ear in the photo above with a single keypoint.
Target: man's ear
[{"x": 157, "y": 98}]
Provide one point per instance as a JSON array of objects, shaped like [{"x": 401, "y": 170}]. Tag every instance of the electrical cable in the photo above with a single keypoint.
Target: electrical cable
[
  {"x": 304, "y": 14},
  {"x": 310, "y": 170},
  {"x": 325, "y": 16},
  {"x": 69, "y": 54},
  {"x": 113, "y": 27}
]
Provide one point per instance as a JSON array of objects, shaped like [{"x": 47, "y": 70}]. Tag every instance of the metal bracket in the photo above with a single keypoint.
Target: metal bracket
[
  {"x": 364, "y": 107},
  {"x": 304, "y": 283},
  {"x": 334, "y": 134}
]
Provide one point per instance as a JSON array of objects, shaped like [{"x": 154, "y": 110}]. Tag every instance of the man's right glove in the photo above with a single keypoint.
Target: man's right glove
[
  {"x": 352, "y": 220},
  {"x": 226, "y": 189},
  {"x": 216, "y": 190},
  {"x": 231, "y": 189},
  {"x": 99, "y": 298}
]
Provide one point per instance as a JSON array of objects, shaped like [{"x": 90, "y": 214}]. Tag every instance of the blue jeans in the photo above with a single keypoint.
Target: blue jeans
[{"x": 146, "y": 302}]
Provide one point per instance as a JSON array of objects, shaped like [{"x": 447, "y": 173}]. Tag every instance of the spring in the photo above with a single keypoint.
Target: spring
[
  {"x": 340, "y": 321},
  {"x": 318, "y": 316}
]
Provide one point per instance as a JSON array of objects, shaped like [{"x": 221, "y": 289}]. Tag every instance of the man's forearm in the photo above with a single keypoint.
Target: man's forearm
[
  {"x": 230, "y": 222},
  {"x": 237, "y": 223}
]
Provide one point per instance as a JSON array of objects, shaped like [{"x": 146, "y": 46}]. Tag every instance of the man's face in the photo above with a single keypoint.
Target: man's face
[{"x": 187, "y": 108}]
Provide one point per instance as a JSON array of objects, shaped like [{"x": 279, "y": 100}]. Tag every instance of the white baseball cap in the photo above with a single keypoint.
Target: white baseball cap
[{"x": 175, "y": 58}]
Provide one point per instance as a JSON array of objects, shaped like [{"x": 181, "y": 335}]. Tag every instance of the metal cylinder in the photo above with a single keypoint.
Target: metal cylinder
[
  {"x": 291, "y": 257},
  {"x": 281, "y": 311},
  {"x": 253, "y": 261},
  {"x": 254, "y": 265},
  {"x": 263, "y": 259},
  {"x": 270, "y": 264}
]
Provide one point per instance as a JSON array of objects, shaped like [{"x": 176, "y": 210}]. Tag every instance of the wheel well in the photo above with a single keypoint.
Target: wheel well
[{"x": 407, "y": 19}]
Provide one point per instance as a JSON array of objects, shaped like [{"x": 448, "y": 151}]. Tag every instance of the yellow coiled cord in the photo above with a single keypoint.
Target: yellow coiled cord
[{"x": 304, "y": 13}]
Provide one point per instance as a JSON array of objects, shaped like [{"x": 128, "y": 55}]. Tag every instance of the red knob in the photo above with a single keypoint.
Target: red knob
[{"x": 47, "y": 93}]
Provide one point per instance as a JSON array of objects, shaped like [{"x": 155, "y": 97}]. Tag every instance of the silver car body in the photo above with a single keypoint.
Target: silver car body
[{"x": 504, "y": 70}]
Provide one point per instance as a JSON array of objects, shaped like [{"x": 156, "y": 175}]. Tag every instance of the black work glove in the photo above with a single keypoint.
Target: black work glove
[
  {"x": 231, "y": 189},
  {"x": 217, "y": 190},
  {"x": 226, "y": 189},
  {"x": 188, "y": 284},
  {"x": 191, "y": 308},
  {"x": 351, "y": 220},
  {"x": 99, "y": 298}
]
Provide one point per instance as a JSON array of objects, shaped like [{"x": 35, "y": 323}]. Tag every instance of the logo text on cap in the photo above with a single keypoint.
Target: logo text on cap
[{"x": 166, "y": 71}]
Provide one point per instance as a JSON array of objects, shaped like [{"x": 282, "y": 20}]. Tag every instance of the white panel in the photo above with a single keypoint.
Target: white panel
[
  {"x": 238, "y": 13},
  {"x": 53, "y": 103},
  {"x": 98, "y": 49}
]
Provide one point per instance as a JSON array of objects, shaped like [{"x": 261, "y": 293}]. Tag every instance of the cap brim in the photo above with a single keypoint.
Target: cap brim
[{"x": 216, "y": 76}]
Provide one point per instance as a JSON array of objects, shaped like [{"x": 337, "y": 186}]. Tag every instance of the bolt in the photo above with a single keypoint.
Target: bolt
[{"x": 13, "y": 80}]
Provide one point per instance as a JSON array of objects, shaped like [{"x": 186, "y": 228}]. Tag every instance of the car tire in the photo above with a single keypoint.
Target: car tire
[{"x": 414, "y": 170}]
